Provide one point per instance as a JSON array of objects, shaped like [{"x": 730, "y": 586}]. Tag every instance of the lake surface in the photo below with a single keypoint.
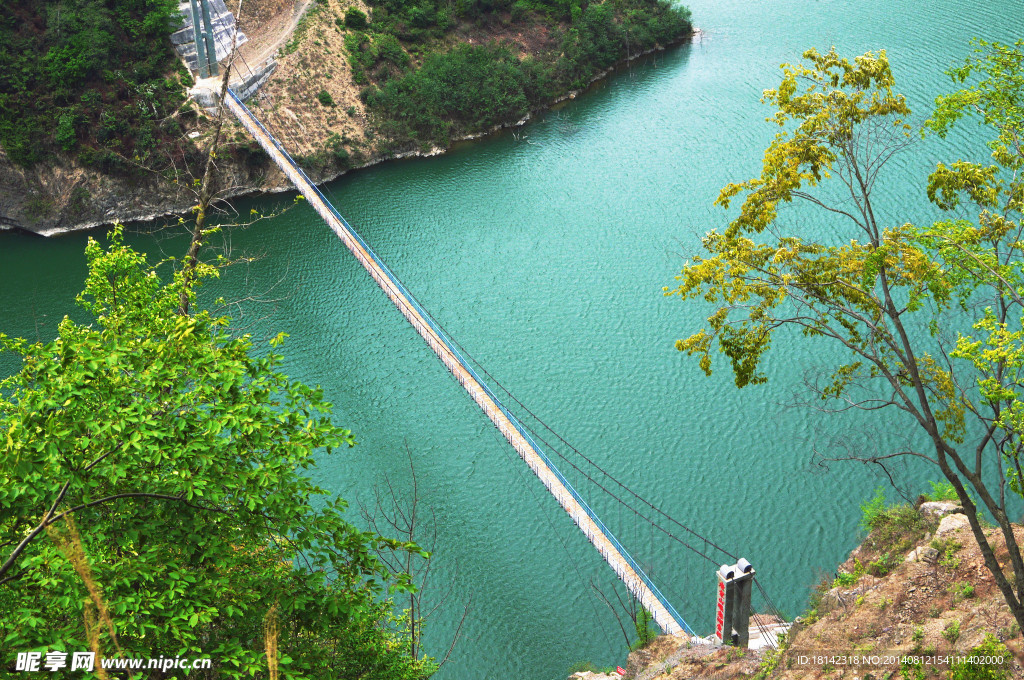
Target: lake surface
[{"x": 545, "y": 254}]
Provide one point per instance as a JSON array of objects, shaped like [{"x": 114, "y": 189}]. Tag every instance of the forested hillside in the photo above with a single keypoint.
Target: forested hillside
[
  {"x": 93, "y": 78},
  {"x": 470, "y": 87}
]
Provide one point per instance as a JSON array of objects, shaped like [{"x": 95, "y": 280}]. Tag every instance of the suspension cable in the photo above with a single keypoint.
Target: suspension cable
[
  {"x": 505, "y": 390},
  {"x": 707, "y": 542}
]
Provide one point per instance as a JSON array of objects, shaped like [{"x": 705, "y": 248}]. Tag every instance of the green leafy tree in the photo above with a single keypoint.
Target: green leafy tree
[
  {"x": 154, "y": 499},
  {"x": 928, "y": 316},
  {"x": 645, "y": 630}
]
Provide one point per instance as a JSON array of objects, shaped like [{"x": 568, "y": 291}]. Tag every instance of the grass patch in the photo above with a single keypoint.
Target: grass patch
[
  {"x": 587, "y": 666},
  {"x": 892, "y": 531}
]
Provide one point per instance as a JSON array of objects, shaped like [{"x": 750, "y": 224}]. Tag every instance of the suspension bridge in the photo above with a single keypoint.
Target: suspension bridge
[{"x": 735, "y": 575}]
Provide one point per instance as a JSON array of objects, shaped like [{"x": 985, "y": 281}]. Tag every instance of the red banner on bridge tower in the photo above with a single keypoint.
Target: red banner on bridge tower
[{"x": 720, "y": 609}]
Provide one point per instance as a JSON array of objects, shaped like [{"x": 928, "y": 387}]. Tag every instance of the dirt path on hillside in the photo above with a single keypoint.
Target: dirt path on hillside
[
  {"x": 311, "y": 99},
  {"x": 268, "y": 24}
]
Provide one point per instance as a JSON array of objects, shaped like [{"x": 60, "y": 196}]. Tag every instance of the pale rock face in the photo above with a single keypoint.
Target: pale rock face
[
  {"x": 588, "y": 675},
  {"x": 839, "y": 597},
  {"x": 922, "y": 554},
  {"x": 951, "y": 523},
  {"x": 938, "y": 509}
]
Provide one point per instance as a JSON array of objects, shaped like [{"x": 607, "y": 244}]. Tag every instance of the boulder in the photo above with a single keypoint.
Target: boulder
[
  {"x": 837, "y": 597},
  {"x": 922, "y": 554},
  {"x": 939, "y": 509},
  {"x": 951, "y": 523},
  {"x": 637, "y": 661}
]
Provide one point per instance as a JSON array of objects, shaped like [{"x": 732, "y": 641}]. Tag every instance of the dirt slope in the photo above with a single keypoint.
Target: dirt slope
[{"x": 937, "y": 602}]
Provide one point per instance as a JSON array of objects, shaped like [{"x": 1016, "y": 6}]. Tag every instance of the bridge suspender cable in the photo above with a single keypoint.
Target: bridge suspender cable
[{"x": 608, "y": 546}]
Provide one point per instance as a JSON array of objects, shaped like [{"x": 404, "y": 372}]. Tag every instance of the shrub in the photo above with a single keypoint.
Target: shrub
[
  {"x": 356, "y": 18},
  {"x": 336, "y": 147},
  {"x": 917, "y": 637},
  {"x": 769, "y": 663},
  {"x": 844, "y": 580},
  {"x": 962, "y": 590},
  {"x": 390, "y": 50},
  {"x": 988, "y": 661},
  {"x": 911, "y": 670},
  {"x": 362, "y": 55},
  {"x": 443, "y": 19},
  {"x": 65, "y": 134},
  {"x": 814, "y": 599},
  {"x": 950, "y": 561},
  {"x": 57, "y": 68},
  {"x": 892, "y": 531},
  {"x": 946, "y": 546},
  {"x": 520, "y": 8},
  {"x": 468, "y": 89},
  {"x": 942, "y": 491},
  {"x": 325, "y": 98},
  {"x": 951, "y": 632},
  {"x": 884, "y": 564},
  {"x": 78, "y": 201},
  {"x": 37, "y": 207},
  {"x": 872, "y": 509},
  {"x": 583, "y": 667},
  {"x": 645, "y": 630},
  {"x": 474, "y": 87}
]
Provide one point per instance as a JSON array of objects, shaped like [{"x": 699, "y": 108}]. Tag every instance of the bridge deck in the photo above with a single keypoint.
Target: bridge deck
[{"x": 607, "y": 545}]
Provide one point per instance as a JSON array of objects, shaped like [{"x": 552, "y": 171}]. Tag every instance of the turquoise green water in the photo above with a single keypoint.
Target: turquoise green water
[{"x": 545, "y": 257}]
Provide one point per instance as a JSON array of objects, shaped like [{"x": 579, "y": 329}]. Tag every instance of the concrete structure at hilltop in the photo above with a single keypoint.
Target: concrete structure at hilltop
[
  {"x": 203, "y": 49},
  {"x": 223, "y": 29}
]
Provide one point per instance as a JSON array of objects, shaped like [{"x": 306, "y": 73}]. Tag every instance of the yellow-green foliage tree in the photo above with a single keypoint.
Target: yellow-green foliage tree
[
  {"x": 929, "y": 316},
  {"x": 154, "y": 497}
]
